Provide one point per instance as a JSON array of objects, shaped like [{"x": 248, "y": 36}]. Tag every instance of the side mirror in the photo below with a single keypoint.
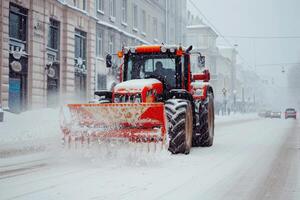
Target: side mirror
[
  {"x": 189, "y": 49},
  {"x": 201, "y": 61},
  {"x": 108, "y": 61}
]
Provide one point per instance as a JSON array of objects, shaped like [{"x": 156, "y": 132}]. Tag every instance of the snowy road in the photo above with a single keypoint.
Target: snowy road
[{"x": 251, "y": 159}]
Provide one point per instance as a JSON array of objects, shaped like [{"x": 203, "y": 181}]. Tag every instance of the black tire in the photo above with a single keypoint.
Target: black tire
[
  {"x": 180, "y": 125},
  {"x": 204, "y": 132}
]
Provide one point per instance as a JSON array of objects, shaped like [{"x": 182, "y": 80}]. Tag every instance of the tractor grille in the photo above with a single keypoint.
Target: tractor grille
[{"x": 128, "y": 98}]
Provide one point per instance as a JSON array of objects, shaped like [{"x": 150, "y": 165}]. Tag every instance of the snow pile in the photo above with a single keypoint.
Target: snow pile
[{"x": 29, "y": 126}]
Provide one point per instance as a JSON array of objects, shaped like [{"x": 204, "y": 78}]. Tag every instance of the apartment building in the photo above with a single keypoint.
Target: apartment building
[{"x": 53, "y": 51}]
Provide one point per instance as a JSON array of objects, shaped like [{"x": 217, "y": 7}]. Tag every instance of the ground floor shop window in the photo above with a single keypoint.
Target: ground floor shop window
[
  {"x": 80, "y": 64},
  {"x": 52, "y": 84},
  {"x": 17, "y": 84},
  {"x": 80, "y": 86},
  {"x": 101, "y": 82}
]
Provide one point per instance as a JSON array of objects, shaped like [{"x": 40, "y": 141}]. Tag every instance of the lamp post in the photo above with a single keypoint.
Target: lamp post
[
  {"x": 224, "y": 91},
  {"x": 234, "y": 100}
]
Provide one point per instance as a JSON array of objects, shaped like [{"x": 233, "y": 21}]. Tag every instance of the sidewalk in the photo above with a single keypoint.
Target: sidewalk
[{"x": 29, "y": 126}]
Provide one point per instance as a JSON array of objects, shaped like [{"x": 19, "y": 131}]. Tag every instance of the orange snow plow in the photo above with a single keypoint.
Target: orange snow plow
[{"x": 134, "y": 122}]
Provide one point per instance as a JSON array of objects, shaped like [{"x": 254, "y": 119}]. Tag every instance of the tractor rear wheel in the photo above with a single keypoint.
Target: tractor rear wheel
[
  {"x": 204, "y": 134},
  {"x": 180, "y": 125}
]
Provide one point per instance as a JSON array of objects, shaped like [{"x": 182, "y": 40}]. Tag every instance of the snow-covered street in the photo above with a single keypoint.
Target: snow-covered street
[{"x": 252, "y": 158}]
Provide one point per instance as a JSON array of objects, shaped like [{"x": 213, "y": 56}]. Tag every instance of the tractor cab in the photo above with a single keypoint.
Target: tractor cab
[
  {"x": 170, "y": 65},
  {"x": 159, "y": 62}
]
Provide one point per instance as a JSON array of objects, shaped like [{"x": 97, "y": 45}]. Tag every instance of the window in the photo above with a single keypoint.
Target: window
[
  {"x": 144, "y": 25},
  {"x": 80, "y": 47},
  {"x": 155, "y": 31},
  {"x": 100, "y": 5},
  {"x": 99, "y": 43},
  {"x": 112, "y": 8},
  {"x": 101, "y": 82},
  {"x": 135, "y": 16},
  {"x": 124, "y": 11},
  {"x": 53, "y": 35},
  {"x": 80, "y": 64},
  {"x": 141, "y": 66},
  {"x": 111, "y": 45},
  {"x": 17, "y": 22},
  {"x": 123, "y": 42},
  {"x": 81, "y": 4}
]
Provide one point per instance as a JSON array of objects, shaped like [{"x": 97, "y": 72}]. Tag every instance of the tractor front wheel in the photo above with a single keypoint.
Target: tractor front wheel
[{"x": 180, "y": 125}]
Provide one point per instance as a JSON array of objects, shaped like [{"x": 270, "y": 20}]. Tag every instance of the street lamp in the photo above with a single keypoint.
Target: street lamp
[
  {"x": 224, "y": 91},
  {"x": 234, "y": 99}
]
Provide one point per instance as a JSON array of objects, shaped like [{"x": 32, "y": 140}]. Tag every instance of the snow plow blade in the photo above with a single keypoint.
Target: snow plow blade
[{"x": 135, "y": 122}]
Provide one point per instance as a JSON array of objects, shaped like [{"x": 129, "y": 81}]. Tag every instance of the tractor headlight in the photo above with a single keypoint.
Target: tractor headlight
[
  {"x": 172, "y": 50},
  {"x": 163, "y": 49},
  {"x": 199, "y": 92}
]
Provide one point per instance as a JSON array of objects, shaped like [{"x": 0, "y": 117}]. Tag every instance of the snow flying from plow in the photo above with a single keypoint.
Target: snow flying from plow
[{"x": 118, "y": 123}]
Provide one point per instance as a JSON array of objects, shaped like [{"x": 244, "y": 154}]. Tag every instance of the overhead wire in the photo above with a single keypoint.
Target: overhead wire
[{"x": 217, "y": 31}]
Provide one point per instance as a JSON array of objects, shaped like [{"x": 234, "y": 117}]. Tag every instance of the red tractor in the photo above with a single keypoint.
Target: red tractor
[{"x": 158, "y": 99}]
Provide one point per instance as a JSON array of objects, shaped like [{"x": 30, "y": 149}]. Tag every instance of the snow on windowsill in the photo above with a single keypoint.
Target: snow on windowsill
[
  {"x": 101, "y": 12},
  {"x": 135, "y": 30},
  {"x": 144, "y": 34},
  {"x": 124, "y": 24}
]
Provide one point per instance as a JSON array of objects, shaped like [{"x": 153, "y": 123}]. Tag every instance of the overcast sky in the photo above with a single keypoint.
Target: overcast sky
[{"x": 257, "y": 18}]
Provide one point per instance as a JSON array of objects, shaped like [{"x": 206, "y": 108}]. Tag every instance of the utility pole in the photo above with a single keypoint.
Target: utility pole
[
  {"x": 243, "y": 99},
  {"x": 224, "y": 91}
]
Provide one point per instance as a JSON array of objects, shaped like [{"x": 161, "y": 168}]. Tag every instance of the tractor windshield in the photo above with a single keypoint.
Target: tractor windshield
[{"x": 162, "y": 67}]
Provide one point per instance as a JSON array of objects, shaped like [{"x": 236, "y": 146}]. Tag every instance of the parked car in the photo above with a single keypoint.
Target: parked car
[
  {"x": 275, "y": 114},
  {"x": 290, "y": 113},
  {"x": 268, "y": 114},
  {"x": 1, "y": 114},
  {"x": 262, "y": 113}
]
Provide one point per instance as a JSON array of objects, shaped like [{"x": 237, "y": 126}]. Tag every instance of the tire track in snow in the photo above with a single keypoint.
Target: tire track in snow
[
  {"x": 20, "y": 171},
  {"x": 281, "y": 182}
]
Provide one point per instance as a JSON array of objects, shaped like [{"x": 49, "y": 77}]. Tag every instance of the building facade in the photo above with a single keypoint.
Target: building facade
[
  {"x": 47, "y": 52},
  {"x": 203, "y": 38},
  {"x": 129, "y": 23},
  {"x": 53, "y": 51},
  {"x": 221, "y": 61},
  {"x": 125, "y": 23}
]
